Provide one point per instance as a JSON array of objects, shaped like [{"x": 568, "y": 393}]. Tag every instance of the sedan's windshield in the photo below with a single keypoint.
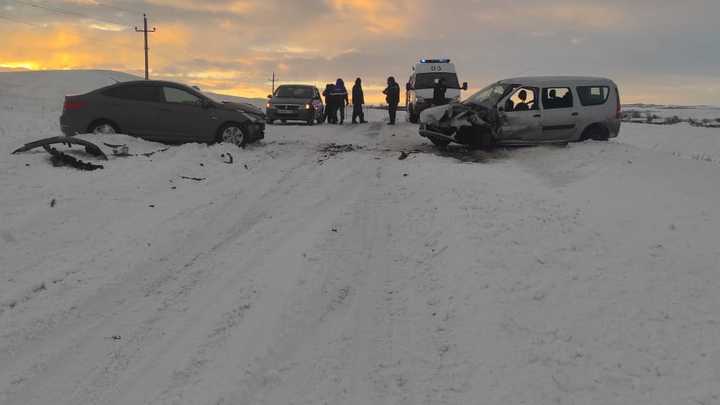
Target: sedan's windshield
[
  {"x": 489, "y": 96},
  {"x": 294, "y": 92}
]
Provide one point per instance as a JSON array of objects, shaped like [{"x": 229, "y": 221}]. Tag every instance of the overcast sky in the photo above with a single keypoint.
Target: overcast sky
[{"x": 659, "y": 51}]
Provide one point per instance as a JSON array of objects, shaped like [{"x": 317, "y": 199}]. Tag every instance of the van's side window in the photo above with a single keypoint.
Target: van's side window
[
  {"x": 593, "y": 95},
  {"x": 557, "y": 97},
  {"x": 524, "y": 99}
]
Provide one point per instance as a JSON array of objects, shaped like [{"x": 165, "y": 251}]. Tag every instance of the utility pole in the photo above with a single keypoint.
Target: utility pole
[
  {"x": 146, "y": 31},
  {"x": 273, "y": 83}
]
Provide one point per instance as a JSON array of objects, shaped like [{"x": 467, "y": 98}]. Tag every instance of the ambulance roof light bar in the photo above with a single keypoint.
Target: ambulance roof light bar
[{"x": 434, "y": 60}]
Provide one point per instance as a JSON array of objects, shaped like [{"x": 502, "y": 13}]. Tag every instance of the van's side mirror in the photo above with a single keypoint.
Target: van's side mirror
[
  {"x": 465, "y": 86},
  {"x": 408, "y": 86}
]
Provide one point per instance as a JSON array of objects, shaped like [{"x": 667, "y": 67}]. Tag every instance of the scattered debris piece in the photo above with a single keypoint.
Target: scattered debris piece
[
  {"x": 121, "y": 151},
  {"x": 403, "y": 155},
  {"x": 193, "y": 178},
  {"x": 333, "y": 149},
  {"x": 114, "y": 337},
  {"x": 52, "y": 203},
  {"x": 405, "y": 174},
  {"x": 151, "y": 205},
  {"x": 90, "y": 147},
  {"x": 227, "y": 158},
  {"x": 61, "y": 159},
  {"x": 148, "y": 154}
]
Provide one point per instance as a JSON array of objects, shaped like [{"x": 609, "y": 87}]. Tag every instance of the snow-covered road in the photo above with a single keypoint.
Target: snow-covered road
[{"x": 304, "y": 273}]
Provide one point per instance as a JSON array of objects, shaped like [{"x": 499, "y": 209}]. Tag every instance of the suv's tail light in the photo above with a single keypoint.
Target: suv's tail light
[{"x": 73, "y": 104}]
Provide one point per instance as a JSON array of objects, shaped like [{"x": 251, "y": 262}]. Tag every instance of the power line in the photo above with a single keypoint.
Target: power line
[
  {"x": 21, "y": 22},
  {"x": 66, "y": 12}
]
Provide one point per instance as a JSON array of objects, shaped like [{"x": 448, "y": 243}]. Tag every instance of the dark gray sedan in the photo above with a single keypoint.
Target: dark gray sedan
[{"x": 161, "y": 111}]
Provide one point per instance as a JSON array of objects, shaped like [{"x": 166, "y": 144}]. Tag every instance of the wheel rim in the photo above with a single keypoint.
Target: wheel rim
[
  {"x": 104, "y": 129},
  {"x": 233, "y": 135}
]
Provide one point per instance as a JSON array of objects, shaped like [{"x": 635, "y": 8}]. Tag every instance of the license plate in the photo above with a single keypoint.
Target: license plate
[{"x": 286, "y": 112}]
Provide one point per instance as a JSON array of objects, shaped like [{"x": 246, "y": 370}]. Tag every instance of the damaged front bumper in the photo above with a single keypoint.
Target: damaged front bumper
[{"x": 459, "y": 123}]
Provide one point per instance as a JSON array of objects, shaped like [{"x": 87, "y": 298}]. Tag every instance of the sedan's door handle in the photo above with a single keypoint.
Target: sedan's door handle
[{"x": 575, "y": 114}]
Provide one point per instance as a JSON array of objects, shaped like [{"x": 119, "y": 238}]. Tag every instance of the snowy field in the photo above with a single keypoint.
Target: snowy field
[{"x": 305, "y": 273}]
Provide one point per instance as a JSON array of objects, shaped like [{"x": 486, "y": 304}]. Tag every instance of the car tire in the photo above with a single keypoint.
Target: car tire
[
  {"x": 103, "y": 127},
  {"x": 442, "y": 143},
  {"x": 596, "y": 132},
  {"x": 232, "y": 133}
]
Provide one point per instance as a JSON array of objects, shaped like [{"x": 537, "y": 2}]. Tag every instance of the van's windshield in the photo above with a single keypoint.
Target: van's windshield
[
  {"x": 490, "y": 95},
  {"x": 427, "y": 80}
]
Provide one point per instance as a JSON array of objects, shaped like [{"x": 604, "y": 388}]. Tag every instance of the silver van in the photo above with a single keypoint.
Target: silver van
[{"x": 528, "y": 111}]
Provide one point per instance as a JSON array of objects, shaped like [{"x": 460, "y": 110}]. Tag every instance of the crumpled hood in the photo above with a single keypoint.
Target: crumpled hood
[
  {"x": 454, "y": 115},
  {"x": 433, "y": 115},
  {"x": 244, "y": 107}
]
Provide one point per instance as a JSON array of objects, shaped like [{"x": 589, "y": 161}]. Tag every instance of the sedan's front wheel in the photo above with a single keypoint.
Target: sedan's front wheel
[{"x": 232, "y": 133}]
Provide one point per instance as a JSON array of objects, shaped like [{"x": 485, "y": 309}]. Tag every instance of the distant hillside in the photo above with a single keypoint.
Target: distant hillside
[{"x": 48, "y": 88}]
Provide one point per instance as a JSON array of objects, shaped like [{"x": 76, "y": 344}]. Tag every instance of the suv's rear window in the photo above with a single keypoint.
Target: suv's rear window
[
  {"x": 294, "y": 92},
  {"x": 139, "y": 93},
  {"x": 593, "y": 95}
]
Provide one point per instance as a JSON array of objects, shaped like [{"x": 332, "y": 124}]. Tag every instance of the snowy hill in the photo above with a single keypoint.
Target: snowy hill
[{"x": 322, "y": 266}]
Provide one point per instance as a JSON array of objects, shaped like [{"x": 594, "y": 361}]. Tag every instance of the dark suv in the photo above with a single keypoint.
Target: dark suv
[
  {"x": 161, "y": 111},
  {"x": 295, "y": 102}
]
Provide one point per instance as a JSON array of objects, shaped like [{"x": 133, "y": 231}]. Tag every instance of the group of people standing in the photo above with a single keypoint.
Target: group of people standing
[{"x": 337, "y": 98}]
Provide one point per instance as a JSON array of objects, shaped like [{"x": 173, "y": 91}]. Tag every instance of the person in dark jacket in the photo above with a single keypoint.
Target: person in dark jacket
[
  {"x": 340, "y": 96},
  {"x": 439, "y": 90},
  {"x": 330, "y": 104},
  {"x": 358, "y": 99},
  {"x": 392, "y": 96}
]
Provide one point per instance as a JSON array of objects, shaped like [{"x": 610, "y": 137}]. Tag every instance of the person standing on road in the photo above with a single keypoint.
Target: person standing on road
[
  {"x": 439, "y": 90},
  {"x": 330, "y": 105},
  {"x": 358, "y": 99},
  {"x": 392, "y": 96},
  {"x": 340, "y": 95}
]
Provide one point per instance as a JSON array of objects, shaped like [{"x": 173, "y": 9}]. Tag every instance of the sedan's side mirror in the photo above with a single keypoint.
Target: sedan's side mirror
[
  {"x": 465, "y": 86},
  {"x": 269, "y": 96},
  {"x": 501, "y": 108}
]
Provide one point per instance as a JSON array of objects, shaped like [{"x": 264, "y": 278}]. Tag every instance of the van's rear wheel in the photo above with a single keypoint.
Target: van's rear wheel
[{"x": 596, "y": 132}]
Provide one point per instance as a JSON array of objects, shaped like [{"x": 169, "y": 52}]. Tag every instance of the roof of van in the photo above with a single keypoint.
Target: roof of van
[{"x": 557, "y": 80}]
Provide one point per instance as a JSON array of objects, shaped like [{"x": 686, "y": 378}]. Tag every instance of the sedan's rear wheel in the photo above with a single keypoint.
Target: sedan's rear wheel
[
  {"x": 232, "y": 133},
  {"x": 103, "y": 128}
]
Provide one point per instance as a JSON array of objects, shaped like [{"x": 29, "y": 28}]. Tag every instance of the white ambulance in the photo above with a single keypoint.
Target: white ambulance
[{"x": 420, "y": 86}]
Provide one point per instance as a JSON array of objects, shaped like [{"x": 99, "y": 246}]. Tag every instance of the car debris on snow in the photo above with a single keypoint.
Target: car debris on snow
[
  {"x": 90, "y": 147},
  {"x": 193, "y": 178}
]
